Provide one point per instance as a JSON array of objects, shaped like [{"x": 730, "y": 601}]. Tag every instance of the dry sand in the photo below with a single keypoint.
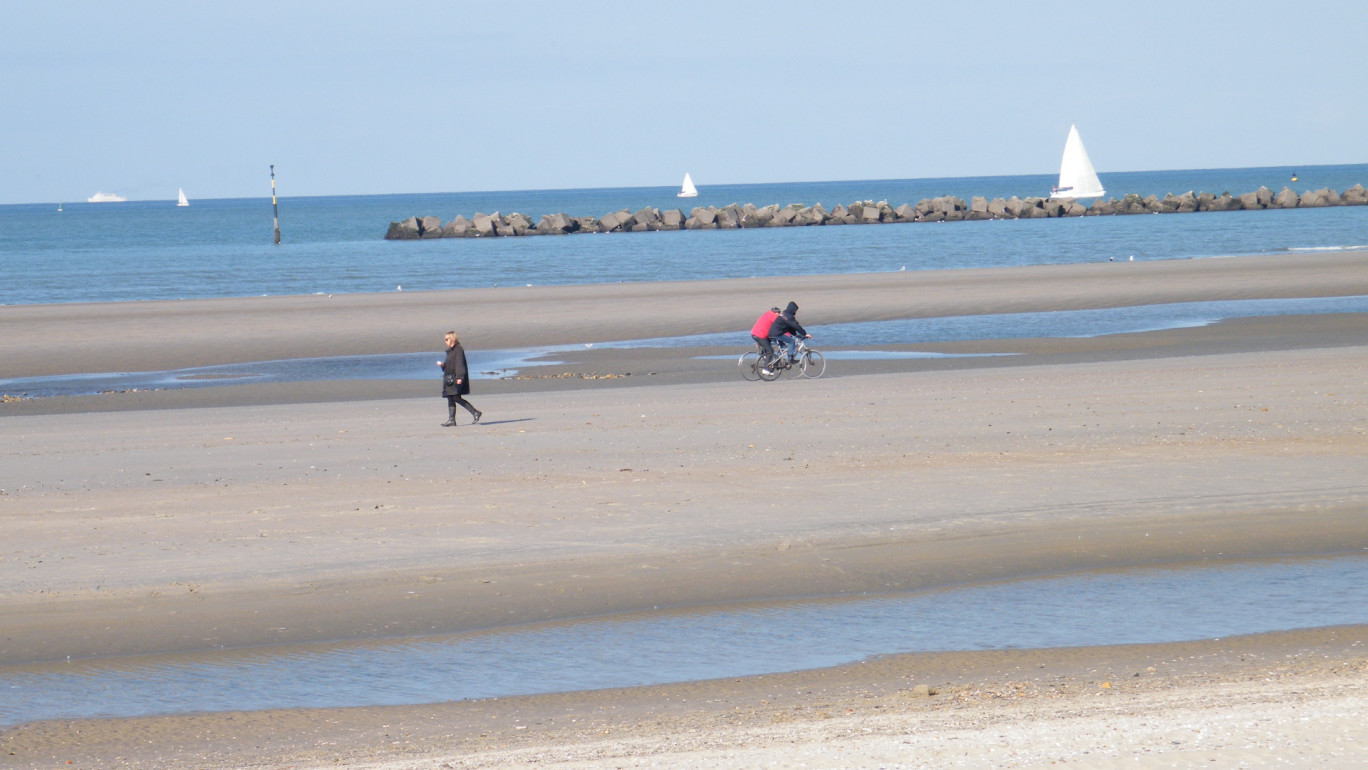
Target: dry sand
[{"x": 180, "y": 520}]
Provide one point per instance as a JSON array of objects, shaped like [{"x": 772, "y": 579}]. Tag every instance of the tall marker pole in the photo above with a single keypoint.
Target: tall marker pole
[{"x": 275, "y": 208}]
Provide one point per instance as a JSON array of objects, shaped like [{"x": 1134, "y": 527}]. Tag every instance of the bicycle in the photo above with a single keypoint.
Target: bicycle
[{"x": 809, "y": 363}]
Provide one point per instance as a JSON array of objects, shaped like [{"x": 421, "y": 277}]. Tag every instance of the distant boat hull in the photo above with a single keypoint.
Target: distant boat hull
[
  {"x": 104, "y": 197},
  {"x": 1077, "y": 178}
]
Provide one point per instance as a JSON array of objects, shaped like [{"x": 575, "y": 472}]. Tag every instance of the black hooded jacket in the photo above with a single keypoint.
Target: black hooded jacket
[{"x": 787, "y": 323}]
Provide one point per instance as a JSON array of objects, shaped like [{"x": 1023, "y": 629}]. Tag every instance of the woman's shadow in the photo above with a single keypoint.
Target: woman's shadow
[{"x": 504, "y": 422}]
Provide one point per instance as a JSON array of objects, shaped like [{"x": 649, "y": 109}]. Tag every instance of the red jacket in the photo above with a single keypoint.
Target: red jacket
[{"x": 763, "y": 324}]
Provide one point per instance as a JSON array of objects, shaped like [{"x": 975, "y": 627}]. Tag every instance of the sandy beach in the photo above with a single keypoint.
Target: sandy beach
[{"x": 616, "y": 480}]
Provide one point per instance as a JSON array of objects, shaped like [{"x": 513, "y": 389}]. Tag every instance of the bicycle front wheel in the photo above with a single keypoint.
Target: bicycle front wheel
[
  {"x": 814, "y": 365},
  {"x": 749, "y": 364}
]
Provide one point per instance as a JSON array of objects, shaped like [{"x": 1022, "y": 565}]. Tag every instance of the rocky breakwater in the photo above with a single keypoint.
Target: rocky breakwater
[{"x": 943, "y": 209}]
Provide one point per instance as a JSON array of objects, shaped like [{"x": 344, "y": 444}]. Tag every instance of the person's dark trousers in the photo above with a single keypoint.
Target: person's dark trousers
[
  {"x": 452, "y": 401},
  {"x": 766, "y": 349}
]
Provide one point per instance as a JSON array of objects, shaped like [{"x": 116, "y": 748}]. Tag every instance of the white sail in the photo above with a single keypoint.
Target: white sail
[
  {"x": 1077, "y": 178},
  {"x": 688, "y": 190},
  {"x": 182, "y": 201}
]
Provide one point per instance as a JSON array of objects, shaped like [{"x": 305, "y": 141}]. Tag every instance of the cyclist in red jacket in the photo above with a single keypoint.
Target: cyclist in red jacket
[{"x": 760, "y": 332}]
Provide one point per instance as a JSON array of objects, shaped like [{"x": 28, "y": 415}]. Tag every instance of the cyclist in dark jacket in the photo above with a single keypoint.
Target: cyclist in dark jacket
[{"x": 785, "y": 330}]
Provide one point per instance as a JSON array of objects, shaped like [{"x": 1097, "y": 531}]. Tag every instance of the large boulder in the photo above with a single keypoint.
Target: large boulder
[
  {"x": 1224, "y": 202},
  {"x": 406, "y": 230},
  {"x": 1035, "y": 208},
  {"x": 615, "y": 221},
  {"x": 1354, "y": 196},
  {"x": 483, "y": 224},
  {"x": 773, "y": 216},
  {"x": 1055, "y": 207},
  {"x": 672, "y": 219},
  {"x": 1261, "y": 198},
  {"x": 1178, "y": 204},
  {"x": 517, "y": 224},
  {"x": 1319, "y": 198},
  {"x": 557, "y": 224},
  {"x": 758, "y": 217},
  {"x": 815, "y": 214},
  {"x": 502, "y": 226},
  {"x": 644, "y": 220},
  {"x": 701, "y": 218},
  {"x": 458, "y": 227},
  {"x": 1134, "y": 204},
  {"x": 864, "y": 212},
  {"x": 1103, "y": 207},
  {"x": 1072, "y": 208},
  {"x": 1285, "y": 199},
  {"x": 941, "y": 209},
  {"x": 429, "y": 227},
  {"x": 978, "y": 209}
]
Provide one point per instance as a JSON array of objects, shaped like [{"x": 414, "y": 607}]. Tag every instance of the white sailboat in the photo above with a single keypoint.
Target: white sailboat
[
  {"x": 1077, "y": 178},
  {"x": 688, "y": 190},
  {"x": 182, "y": 201}
]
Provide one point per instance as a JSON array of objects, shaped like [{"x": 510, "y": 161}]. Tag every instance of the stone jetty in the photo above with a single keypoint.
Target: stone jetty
[{"x": 943, "y": 209}]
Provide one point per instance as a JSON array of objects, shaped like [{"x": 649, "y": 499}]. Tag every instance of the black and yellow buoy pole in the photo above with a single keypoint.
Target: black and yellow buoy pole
[{"x": 275, "y": 208}]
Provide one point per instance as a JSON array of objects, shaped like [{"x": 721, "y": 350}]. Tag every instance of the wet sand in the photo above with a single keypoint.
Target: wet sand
[{"x": 148, "y": 523}]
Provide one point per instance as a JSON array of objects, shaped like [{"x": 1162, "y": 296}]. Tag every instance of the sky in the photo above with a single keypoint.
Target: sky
[{"x": 364, "y": 98}]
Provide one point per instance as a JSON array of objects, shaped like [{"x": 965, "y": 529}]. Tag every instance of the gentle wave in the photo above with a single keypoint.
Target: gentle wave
[{"x": 1363, "y": 247}]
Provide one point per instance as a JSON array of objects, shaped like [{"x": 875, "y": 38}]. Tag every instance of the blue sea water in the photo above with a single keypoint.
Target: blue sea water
[{"x": 145, "y": 250}]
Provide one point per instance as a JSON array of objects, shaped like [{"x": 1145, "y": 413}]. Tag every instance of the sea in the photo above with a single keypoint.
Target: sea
[{"x": 74, "y": 251}]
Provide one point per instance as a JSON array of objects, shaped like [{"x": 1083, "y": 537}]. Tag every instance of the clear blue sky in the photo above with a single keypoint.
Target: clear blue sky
[{"x": 141, "y": 98}]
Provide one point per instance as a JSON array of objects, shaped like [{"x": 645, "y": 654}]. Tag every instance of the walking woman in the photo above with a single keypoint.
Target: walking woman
[{"x": 456, "y": 382}]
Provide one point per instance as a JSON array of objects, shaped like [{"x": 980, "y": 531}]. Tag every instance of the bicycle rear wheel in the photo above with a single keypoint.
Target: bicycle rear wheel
[
  {"x": 813, "y": 365},
  {"x": 749, "y": 364}
]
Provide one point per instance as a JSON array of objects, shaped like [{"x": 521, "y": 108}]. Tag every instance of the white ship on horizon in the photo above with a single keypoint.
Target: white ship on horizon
[{"x": 104, "y": 197}]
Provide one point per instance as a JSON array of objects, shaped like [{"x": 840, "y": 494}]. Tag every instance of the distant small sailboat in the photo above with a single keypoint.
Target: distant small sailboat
[
  {"x": 182, "y": 201},
  {"x": 59, "y": 205},
  {"x": 1077, "y": 178},
  {"x": 688, "y": 190}
]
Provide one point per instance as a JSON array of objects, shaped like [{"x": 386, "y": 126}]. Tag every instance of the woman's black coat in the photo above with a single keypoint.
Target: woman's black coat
[{"x": 455, "y": 367}]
